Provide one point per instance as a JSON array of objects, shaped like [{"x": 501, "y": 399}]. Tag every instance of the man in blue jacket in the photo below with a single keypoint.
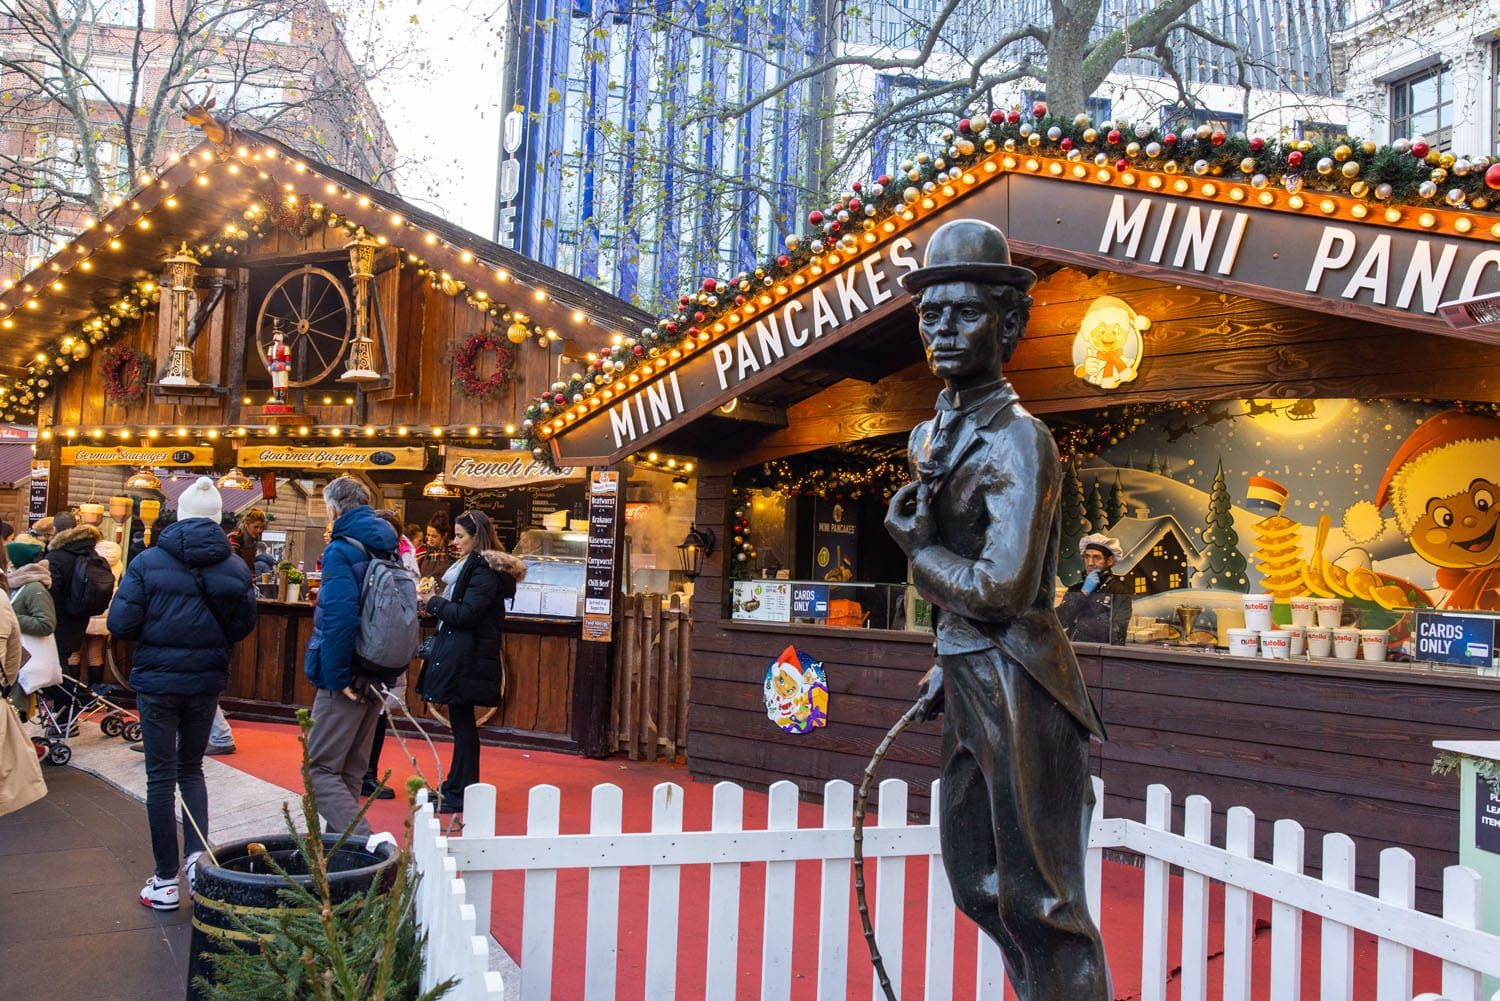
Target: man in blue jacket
[
  {"x": 338, "y": 748},
  {"x": 185, "y": 602}
]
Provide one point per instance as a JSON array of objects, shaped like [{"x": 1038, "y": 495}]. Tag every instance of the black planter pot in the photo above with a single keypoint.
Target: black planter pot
[{"x": 244, "y": 884}]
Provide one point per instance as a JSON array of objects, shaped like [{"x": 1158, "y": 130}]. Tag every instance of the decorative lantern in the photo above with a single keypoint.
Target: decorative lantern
[
  {"x": 439, "y": 489},
  {"x": 182, "y": 267},
  {"x": 362, "y": 270},
  {"x": 143, "y": 479},
  {"x": 235, "y": 480},
  {"x": 696, "y": 545}
]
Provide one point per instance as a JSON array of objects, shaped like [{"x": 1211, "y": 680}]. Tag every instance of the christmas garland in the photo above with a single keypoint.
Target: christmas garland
[
  {"x": 466, "y": 365},
  {"x": 124, "y": 371},
  {"x": 1409, "y": 171}
]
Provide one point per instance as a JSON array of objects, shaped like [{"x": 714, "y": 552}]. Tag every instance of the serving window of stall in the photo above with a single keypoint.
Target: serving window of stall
[{"x": 810, "y": 544}]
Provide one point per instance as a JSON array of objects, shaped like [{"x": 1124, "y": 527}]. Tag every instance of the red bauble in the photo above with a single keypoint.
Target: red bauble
[
  {"x": 1170, "y": 139},
  {"x": 639, "y": 350},
  {"x": 883, "y": 180},
  {"x": 963, "y": 125},
  {"x": 1217, "y": 137},
  {"x": 686, "y": 300},
  {"x": 671, "y": 326},
  {"x": 709, "y": 284},
  {"x": 1492, "y": 177},
  {"x": 699, "y": 316},
  {"x": 1294, "y": 158},
  {"x": 997, "y": 116},
  {"x": 598, "y": 363},
  {"x": 835, "y": 226},
  {"x": 783, "y": 261},
  {"x": 1113, "y": 137},
  {"x": 815, "y": 217},
  {"x": 1039, "y": 109},
  {"x": 1419, "y": 149},
  {"x": 856, "y": 186},
  {"x": 739, "y": 300},
  {"x": 1066, "y": 144},
  {"x": 855, "y": 205},
  {"x": 1122, "y": 164},
  {"x": 559, "y": 399},
  {"x": 1013, "y": 117},
  {"x": 1257, "y": 144}
]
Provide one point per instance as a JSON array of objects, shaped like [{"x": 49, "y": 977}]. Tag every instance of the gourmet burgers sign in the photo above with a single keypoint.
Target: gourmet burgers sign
[{"x": 312, "y": 457}]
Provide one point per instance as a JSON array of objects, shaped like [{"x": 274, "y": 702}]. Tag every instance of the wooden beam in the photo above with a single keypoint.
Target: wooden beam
[
  {"x": 753, "y": 413},
  {"x": 239, "y": 327}
]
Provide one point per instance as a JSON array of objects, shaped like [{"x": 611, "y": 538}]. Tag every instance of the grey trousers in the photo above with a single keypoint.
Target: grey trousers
[{"x": 338, "y": 751}]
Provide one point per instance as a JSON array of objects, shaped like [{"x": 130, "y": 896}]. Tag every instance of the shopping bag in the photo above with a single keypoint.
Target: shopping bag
[
  {"x": 42, "y": 666},
  {"x": 21, "y": 782}
]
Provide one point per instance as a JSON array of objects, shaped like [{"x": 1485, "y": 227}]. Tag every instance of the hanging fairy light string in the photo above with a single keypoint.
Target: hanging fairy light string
[
  {"x": 849, "y": 472},
  {"x": 1407, "y": 184}
]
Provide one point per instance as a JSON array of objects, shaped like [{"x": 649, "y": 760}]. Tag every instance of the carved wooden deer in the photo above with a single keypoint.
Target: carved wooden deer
[{"x": 216, "y": 129}]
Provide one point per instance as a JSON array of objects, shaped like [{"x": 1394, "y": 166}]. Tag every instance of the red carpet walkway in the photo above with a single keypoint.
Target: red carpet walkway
[{"x": 269, "y": 751}]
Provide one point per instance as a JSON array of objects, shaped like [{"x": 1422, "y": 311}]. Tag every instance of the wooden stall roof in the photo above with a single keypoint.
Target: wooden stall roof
[
  {"x": 1323, "y": 252},
  {"x": 194, "y": 198}
]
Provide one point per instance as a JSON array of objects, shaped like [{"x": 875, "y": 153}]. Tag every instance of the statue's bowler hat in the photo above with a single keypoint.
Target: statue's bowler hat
[{"x": 968, "y": 250}]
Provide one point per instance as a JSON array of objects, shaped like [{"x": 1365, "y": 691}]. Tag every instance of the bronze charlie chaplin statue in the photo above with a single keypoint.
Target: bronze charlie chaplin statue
[{"x": 980, "y": 528}]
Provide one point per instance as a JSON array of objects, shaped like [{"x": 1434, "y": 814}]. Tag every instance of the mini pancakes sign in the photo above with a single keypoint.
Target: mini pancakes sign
[
  {"x": 313, "y": 457},
  {"x": 489, "y": 469}
]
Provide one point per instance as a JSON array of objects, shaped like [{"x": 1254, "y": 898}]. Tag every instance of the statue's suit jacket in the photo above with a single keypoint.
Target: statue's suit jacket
[{"x": 993, "y": 477}]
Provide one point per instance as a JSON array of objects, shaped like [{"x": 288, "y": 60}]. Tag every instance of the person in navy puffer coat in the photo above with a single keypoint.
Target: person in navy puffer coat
[
  {"x": 344, "y": 718},
  {"x": 185, "y": 602}
]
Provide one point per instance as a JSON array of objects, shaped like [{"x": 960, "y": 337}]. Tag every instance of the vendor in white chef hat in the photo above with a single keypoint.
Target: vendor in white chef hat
[{"x": 1098, "y": 608}]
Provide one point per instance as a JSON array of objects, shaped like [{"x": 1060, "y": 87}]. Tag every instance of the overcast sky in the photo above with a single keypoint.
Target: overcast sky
[{"x": 443, "y": 111}]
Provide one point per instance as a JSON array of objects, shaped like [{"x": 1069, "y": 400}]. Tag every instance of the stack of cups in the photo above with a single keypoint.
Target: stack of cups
[
  {"x": 1243, "y": 642},
  {"x": 1319, "y": 641},
  {"x": 1373, "y": 642},
  {"x": 1276, "y": 644},
  {"x": 1304, "y": 610},
  {"x": 1330, "y": 612},
  {"x": 1297, "y": 637},
  {"x": 1346, "y": 643},
  {"x": 1258, "y": 612}
]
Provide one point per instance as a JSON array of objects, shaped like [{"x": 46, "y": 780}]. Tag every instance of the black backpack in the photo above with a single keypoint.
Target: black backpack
[{"x": 91, "y": 587}]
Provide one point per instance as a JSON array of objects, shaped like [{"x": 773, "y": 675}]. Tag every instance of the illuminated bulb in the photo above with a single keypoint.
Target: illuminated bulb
[
  {"x": 1296, "y": 201},
  {"x": 540, "y": 295},
  {"x": 1427, "y": 220},
  {"x": 1327, "y": 206}
]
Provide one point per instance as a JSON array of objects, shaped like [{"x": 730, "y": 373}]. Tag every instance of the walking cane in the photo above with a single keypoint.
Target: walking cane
[{"x": 919, "y": 709}]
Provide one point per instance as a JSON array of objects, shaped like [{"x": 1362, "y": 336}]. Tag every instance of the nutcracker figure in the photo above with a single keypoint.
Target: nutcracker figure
[{"x": 279, "y": 364}]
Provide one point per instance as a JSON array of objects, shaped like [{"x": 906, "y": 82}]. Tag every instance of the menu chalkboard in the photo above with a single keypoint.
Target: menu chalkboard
[{"x": 515, "y": 510}]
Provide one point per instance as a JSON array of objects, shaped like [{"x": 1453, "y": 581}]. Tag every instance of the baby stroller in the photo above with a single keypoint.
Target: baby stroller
[{"x": 83, "y": 703}]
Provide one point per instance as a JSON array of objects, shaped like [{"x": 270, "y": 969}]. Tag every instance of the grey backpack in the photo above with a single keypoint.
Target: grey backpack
[{"x": 388, "y": 631}]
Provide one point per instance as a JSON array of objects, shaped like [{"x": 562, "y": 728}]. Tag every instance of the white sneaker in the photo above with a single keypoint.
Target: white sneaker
[
  {"x": 192, "y": 872},
  {"x": 160, "y": 894}
]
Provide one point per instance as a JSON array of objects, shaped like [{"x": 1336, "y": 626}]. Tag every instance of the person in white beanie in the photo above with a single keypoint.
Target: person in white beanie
[{"x": 185, "y": 602}]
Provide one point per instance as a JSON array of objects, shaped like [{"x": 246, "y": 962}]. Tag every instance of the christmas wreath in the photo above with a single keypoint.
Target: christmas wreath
[
  {"x": 466, "y": 358},
  {"x": 124, "y": 371}
]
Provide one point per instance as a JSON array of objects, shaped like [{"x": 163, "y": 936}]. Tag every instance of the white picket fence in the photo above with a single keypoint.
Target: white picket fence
[{"x": 451, "y": 909}]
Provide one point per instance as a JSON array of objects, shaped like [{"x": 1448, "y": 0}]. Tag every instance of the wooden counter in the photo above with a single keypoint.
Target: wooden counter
[
  {"x": 1335, "y": 745},
  {"x": 557, "y": 695}
]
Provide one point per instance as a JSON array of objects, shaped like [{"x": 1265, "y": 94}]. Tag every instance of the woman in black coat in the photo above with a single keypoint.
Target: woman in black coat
[{"x": 463, "y": 670}]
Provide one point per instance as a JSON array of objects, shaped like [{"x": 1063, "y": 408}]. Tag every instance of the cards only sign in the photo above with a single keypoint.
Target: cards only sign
[
  {"x": 491, "y": 469},
  {"x": 1446, "y": 638}
]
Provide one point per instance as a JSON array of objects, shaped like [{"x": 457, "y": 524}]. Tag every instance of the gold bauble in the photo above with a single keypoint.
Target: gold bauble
[
  {"x": 1446, "y": 160},
  {"x": 1090, "y": 135},
  {"x": 1368, "y": 147},
  {"x": 1438, "y": 175},
  {"x": 1350, "y": 169},
  {"x": 1342, "y": 153},
  {"x": 1359, "y": 189},
  {"x": 1171, "y": 167}
]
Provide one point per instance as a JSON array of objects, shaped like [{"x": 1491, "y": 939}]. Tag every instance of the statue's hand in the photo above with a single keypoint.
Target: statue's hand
[
  {"x": 931, "y": 697},
  {"x": 909, "y": 519}
]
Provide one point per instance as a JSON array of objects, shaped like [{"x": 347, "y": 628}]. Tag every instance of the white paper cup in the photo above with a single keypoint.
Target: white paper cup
[
  {"x": 1319, "y": 641},
  {"x": 1304, "y": 611},
  {"x": 1297, "y": 635},
  {"x": 1258, "y": 612},
  {"x": 1276, "y": 644},
  {"x": 1330, "y": 611},
  {"x": 1373, "y": 643},
  {"x": 1346, "y": 643},
  {"x": 1243, "y": 642}
]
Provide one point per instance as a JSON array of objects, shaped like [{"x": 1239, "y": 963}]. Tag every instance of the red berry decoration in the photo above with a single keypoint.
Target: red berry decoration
[
  {"x": 815, "y": 217},
  {"x": 997, "y": 117},
  {"x": 1419, "y": 149},
  {"x": 1066, "y": 144},
  {"x": 1492, "y": 177},
  {"x": 1294, "y": 158},
  {"x": 1257, "y": 144},
  {"x": 1113, "y": 137},
  {"x": 1217, "y": 137},
  {"x": 1039, "y": 109},
  {"x": 1013, "y": 117},
  {"x": 963, "y": 125}
]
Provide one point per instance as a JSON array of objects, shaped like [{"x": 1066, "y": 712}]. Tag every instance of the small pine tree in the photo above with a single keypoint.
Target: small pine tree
[
  {"x": 1075, "y": 526},
  {"x": 1153, "y": 464},
  {"x": 1115, "y": 506},
  {"x": 1224, "y": 564},
  {"x": 1097, "y": 514},
  {"x": 364, "y": 948}
]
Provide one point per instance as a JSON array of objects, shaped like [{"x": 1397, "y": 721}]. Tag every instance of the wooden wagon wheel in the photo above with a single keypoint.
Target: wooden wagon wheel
[{"x": 311, "y": 309}]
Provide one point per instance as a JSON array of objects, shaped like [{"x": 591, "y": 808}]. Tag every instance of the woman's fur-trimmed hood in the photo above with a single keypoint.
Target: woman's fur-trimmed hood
[
  {"x": 31, "y": 573},
  {"x": 74, "y": 534},
  {"x": 504, "y": 563}
]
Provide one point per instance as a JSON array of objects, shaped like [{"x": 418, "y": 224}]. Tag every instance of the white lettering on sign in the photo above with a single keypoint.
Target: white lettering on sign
[
  {"x": 755, "y": 348},
  {"x": 512, "y": 131},
  {"x": 1337, "y": 249},
  {"x": 1192, "y": 243}
]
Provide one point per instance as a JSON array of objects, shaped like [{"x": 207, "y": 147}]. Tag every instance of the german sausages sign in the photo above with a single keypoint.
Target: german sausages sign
[
  {"x": 1313, "y": 261},
  {"x": 489, "y": 469},
  {"x": 331, "y": 458},
  {"x": 132, "y": 455}
]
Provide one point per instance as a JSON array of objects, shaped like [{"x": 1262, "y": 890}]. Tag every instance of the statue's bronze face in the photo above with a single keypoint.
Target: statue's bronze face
[{"x": 965, "y": 332}]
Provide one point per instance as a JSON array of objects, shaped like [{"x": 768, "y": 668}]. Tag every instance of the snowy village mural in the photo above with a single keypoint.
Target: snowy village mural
[{"x": 1386, "y": 504}]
